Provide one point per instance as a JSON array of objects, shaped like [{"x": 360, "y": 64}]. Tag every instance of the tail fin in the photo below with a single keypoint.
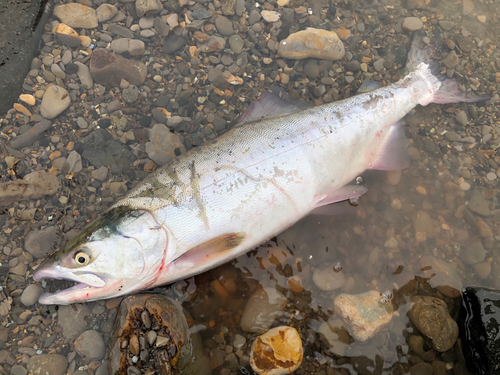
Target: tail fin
[{"x": 449, "y": 91}]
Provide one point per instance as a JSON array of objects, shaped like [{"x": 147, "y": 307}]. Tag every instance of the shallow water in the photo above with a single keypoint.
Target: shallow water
[{"x": 383, "y": 244}]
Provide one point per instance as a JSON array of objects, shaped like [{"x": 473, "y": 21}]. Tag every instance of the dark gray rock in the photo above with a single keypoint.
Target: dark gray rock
[
  {"x": 100, "y": 149},
  {"x": 32, "y": 135},
  {"x": 21, "y": 25},
  {"x": 173, "y": 43}
]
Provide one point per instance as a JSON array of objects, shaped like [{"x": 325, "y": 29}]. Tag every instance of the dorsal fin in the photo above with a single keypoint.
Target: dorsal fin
[{"x": 274, "y": 102}]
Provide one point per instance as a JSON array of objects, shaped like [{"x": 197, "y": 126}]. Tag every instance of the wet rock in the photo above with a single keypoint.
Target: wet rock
[
  {"x": 131, "y": 94},
  {"x": 213, "y": 44},
  {"x": 262, "y": 308},
  {"x": 105, "y": 12},
  {"x": 276, "y": 352},
  {"x": 76, "y": 15},
  {"x": 100, "y": 149},
  {"x": 467, "y": 7},
  {"x": 40, "y": 243},
  {"x": 200, "y": 14},
  {"x": 66, "y": 35},
  {"x": 228, "y": 7},
  {"x": 479, "y": 324},
  {"x": 33, "y": 185},
  {"x": 478, "y": 204},
  {"x": 163, "y": 144},
  {"x": 472, "y": 252},
  {"x": 236, "y": 43},
  {"x": 55, "y": 100},
  {"x": 90, "y": 346},
  {"x": 224, "y": 26},
  {"x": 364, "y": 314},
  {"x": 121, "y": 31},
  {"x": 173, "y": 43},
  {"x": 270, "y": 15},
  {"x": 28, "y": 138},
  {"x": 315, "y": 43},
  {"x": 424, "y": 228},
  {"x": 73, "y": 320},
  {"x": 147, "y": 7},
  {"x": 134, "y": 47},
  {"x": 430, "y": 316},
  {"x": 451, "y": 60},
  {"x": 452, "y": 136},
  {"x": 175, "y": 346},
  {"x": 441, "y": 276},
  {"x": 100, "y": 174},
  {"x": 446, "y": 25},
  {"x": 30, "y": 294},
  {"x": 109, "y": 69},
  {"x": 335, "y": 336},
  {"x": 325, "y": 278},
  {"x": 84, "y": 75},
  {"x": 53, "y": 364},
  {"x": 73, "y": 163},
  {"x": 412, "y": 24}
]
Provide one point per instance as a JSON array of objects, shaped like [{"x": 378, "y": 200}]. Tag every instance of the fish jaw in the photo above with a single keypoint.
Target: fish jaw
[{"x": 121, "y": 257}]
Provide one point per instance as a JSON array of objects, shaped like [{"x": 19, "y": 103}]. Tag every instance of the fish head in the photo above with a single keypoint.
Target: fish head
[{"x": 119, "y": 253}]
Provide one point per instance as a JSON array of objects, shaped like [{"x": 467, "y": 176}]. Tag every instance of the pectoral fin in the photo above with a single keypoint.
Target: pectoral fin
[{"x": 211, "y": 251}]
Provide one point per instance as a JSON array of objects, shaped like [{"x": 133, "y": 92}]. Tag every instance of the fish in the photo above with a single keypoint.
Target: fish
[{"x": 281, "y": 161}]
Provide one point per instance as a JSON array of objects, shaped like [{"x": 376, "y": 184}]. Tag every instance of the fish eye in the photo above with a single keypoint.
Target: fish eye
[{"x": 82, "y": 258}]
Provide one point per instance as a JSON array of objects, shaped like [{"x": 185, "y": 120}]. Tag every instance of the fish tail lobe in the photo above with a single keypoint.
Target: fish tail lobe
[{"x": 448, "y": 89}]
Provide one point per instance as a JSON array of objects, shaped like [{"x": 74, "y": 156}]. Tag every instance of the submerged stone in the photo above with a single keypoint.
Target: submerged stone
[
  {"x": 278, "y": 351},
  {"x": 431, "y": 317},
  {"x": 364, "y": 314}
]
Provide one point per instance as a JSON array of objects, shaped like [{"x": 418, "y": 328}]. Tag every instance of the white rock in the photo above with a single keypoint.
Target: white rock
[{"x": 55, "y": 100}]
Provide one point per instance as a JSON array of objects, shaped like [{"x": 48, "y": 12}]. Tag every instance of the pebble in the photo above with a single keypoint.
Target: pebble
[
  {"x": 452, "y": 136},
  {"x": 39, "y": 243},
  {"x": 214, "y": 43},
  {"x": 482, "y": 269},
  {"x": 315, "y": 43},
  {"x": 430, "y": 316},
  {"x": 76, "y": 15},
  {"x": 200, "y": 14},
  {"x": 105, "y": 12},
  {"x": 28, "y": 99},
  {"x": 131, "y": 94},
  {"x": 53, "y": 364},
  {"x": 121, "y": 31},
  {"x": 491, "y": 176},
  {"x": 148, "y": 7},
  {"x": 30, "y": 295},
  {"x": 224, "y": 26},
  {"x": 58, "y": 72},
  {"x": 277, "y": 352},
  {"x": 84, "y": 75},
  {"x": 174, "y": 43},
  {"x": 66, "y": 35},
  {"x": 478, "y": 204},
  {"x": 467, "y": 7},
  {"x": 270, "y": 15},
  {"x": 393, "y": 177},
  {"x": 73, "y": 163},
  {"x": 325, "y": 278},
  {"x": 90, "y": 345},
  {"x": 451, "y": 60},
  {"x": 363, "y": 313},
  {"x": 446, "y": 25},
  {"x": 163, "y": 144},
  {"x": 28, "y": 138},
  {"x": 109, "y": 69},
  {"x": 236, "y": 43},
  {"x": 412, "y": 24},
  {"x": 473, "y": 252},
  {"x": 73, "y": 320},
  {"x": 54, "y": 102},
  {"x": 311, "y": 69},
  {"x": 261, "y": 309},
  {"x": 461, "y": 118}
]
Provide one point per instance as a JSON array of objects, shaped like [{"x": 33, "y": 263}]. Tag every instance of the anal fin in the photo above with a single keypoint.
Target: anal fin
[{"x": 393, "y": 154}]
